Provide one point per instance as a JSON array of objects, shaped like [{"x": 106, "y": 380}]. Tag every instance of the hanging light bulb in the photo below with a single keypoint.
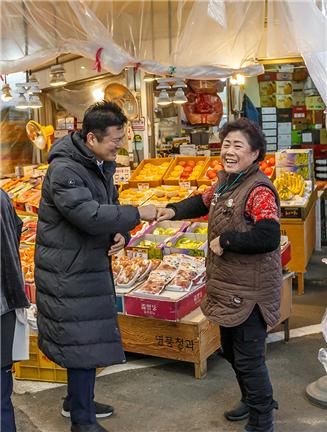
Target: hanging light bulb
[
  {"x": 149, "y": 77},
  {"x": 6, "y": 93},
  {"x": 57, "y": 75},
  {"x": 164, "y": 98},
  {"x": 22, "y": 102},
  {"x": 35, "y": 102},
  {"x": 179, "y": 97}
]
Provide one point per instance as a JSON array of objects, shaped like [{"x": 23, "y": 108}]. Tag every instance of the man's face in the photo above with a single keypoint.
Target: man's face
[
  {"x": 107, "y": 148},
  {"x": 236, "y": 153}
]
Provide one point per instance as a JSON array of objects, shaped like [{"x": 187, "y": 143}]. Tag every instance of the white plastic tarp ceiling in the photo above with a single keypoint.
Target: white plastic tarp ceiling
[{"x": 189, "y": 38}]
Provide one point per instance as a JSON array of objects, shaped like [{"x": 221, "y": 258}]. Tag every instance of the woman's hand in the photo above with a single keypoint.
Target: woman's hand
[
  {"x": 215, "y": 246},
  {"x": 165, "y": 214}
]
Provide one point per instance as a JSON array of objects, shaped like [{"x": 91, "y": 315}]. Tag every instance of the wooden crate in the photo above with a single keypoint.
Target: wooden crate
[
  {"x": 202, "y": 180},
  {"x": 175, "y": 162},
  {"x": 192, "y": 339},
  {"x": 133, "y": 183}
]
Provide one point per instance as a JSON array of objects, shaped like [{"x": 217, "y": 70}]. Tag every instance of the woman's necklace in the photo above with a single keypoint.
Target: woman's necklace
[{"x": 222, "y": 189}]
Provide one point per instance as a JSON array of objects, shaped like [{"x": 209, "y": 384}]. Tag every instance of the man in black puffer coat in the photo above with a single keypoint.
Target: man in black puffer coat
[{"x": 80, "y": 224}]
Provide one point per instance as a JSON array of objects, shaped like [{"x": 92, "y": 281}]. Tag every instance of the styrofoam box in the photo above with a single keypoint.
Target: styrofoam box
[
  {"x": 269, "y": 117},
  {"x": 268, "y": 110},
  {"x": 271, "y": 140},
  {"x": 285, "y": 139},
  {"x": 269, "y": 125},
  {"x": 270, "y": 132},
  {"x": 284, "y": 128}
]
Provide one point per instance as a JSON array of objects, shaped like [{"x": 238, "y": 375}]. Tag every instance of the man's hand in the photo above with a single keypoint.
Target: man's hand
[
  {"x": 148, "y": 212},
  {"x": 165, "y": 214},
  {"x": 118, "y": 245},
  {"x": 215, "y": 246}
]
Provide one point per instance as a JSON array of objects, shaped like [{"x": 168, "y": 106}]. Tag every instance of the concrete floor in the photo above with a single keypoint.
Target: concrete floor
[{"x": 167, "y": 398}]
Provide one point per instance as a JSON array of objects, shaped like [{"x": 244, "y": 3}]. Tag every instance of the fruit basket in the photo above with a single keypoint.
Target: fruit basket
[
  {"x": 185, "y": 169},
  {"x": 150, "y": 171},
  {"x": 210, "y": 170}
]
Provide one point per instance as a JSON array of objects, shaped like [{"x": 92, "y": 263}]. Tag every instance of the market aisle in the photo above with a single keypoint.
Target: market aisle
[{"x": 168, "y": 399}]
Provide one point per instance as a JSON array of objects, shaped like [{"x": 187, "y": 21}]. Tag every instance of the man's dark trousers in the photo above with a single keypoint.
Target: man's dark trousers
[
  {"x": 81, "y": 395},
  {"x": 7, "y": 410},
  {"x": 244, "y": 347}
]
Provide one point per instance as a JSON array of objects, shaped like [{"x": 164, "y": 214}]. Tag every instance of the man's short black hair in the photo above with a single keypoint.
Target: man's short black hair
[
  {"x": 101, "y": 115},
  {"x": 252, "y": 132}
]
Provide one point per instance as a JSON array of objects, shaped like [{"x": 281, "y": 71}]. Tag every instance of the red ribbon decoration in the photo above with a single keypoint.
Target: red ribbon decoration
[
  {"x": 97, "y": 64},
  {"x": 2, "y": 78},
  {"x": 136, "y": 67}
]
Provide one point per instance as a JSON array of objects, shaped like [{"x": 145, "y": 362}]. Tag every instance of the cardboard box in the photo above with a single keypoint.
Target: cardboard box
[
  {"x": 284, "y": 139},
  {"x": 299, "y": 212},
  {"x": 315, "y": 117},
  {"x": 314, "y": 103},
  {"x": 170, "y": 306},
  {"x": 268, "y": 76},
  {"x": 298, "y": 85},
  {"x": 284, "y": 88},
  {"x": 294, "y": 157},
  {"x": 299, "y": 124},
  {"x": 323, "y": 136},
  {"x": 269, "y": 125},
  {"x": 268, "y": 110},
  {"x": 284, "y": 128},
  {"x": 284, "y": 115},
  {"x": 296, "y": 137},
  {"x": 305, "y": 171},
  {"x": 284, "y": 76},
  {"x": 298, "y": 98},
  {"x": 311, "y": 136},
  {"x": 267, "y": 88},
  {"x": 299, "y": 112},
  {"x": 268, "y": 101},
  {"x": 284, "y": 101}
]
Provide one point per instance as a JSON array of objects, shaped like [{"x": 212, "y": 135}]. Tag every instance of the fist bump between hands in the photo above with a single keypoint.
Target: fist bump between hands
[{"x": 150, "y": 213}]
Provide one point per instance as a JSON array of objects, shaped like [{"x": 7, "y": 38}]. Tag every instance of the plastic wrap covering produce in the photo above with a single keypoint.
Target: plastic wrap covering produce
[
  {"x": 322, "y": 355},
  {"x": 193, "y": 39},
  {"x": 15, "y": 148}
]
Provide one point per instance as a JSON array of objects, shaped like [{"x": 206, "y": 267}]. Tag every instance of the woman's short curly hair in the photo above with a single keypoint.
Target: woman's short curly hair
[{"x": 252, "y": 132}]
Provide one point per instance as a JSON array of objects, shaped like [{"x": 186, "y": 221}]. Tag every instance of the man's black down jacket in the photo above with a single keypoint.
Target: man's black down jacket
[{"x": 78, "y": 216}]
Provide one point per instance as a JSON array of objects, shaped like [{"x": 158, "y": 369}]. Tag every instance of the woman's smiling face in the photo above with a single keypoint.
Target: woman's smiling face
[{"x": 236, "y": 153}]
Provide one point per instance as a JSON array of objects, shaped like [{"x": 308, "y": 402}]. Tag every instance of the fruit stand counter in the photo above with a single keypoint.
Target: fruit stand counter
[
  {"x": 301, "y": 233},
  {"x": 192, "y": 339}
]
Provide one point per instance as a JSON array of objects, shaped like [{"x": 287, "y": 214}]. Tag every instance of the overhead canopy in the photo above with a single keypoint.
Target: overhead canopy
[{"x": 189, "y": 38}]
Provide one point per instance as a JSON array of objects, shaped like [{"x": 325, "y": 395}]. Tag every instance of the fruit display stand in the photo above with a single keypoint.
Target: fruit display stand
[
  {"x": 302, "y": 234},
  {"x": 150, "y": 172},
  {"x": 192, "y": 339}
]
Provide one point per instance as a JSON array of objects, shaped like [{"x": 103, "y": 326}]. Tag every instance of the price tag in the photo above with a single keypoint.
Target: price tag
[
  {"x": 143, "y": 186},
  {"x": 184, "y": 184}
]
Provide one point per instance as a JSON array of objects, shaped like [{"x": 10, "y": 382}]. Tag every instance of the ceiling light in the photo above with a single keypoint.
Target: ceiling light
[
  {"x": 98, "y": 94},
  {"x": 6, "y": 93},
  {"x": 57, "y": 75},
  {"x": 237, "y": 80},
  {"x": 163, "y": 86},
  {"x": 164, "y": 98},
  {"x": 179, "y": 84},
  {"x": 149, "y": 78},
  {"x": 22, "y": 102},
  {"x": 179, "y": 97},
  {"x": 35, "y": 102}
]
